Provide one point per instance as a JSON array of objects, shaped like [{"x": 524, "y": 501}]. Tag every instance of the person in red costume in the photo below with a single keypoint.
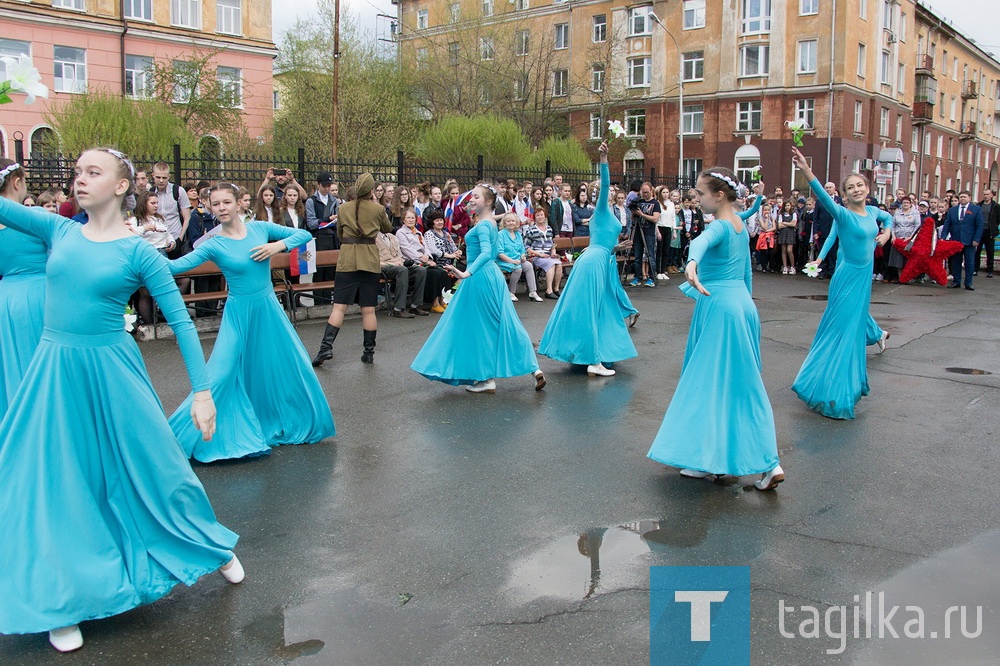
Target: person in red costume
[{"x": 926, "y": 253}]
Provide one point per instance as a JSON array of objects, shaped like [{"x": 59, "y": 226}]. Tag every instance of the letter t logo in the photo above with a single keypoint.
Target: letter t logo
[{"x": 701, "y": 610}]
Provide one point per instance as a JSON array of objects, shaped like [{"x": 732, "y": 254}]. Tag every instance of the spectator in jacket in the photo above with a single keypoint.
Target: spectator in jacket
[{"x": 991, "y": 220}]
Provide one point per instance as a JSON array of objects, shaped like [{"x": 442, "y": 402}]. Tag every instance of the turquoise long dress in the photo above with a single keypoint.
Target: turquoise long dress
[
  {"x": 720, "y": 419},
  {"x": 834, "y": 376},
  {"x": 479, "y": 336},
  {"x": 101, "y": 510},
  {"x": 587, "y": 325},
  {"x": 263, "y": 383},
  {"x": 22, "y": 304}
]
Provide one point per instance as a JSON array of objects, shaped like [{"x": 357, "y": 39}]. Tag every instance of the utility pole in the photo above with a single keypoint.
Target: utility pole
[
  {"x": 336, "y": 79},
  {"x": 680, "y": 100}
]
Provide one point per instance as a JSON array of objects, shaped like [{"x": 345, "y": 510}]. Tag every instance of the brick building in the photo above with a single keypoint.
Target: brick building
[
  {"x": 110, "y": 44},
  {"x": 867, "y": 76}
]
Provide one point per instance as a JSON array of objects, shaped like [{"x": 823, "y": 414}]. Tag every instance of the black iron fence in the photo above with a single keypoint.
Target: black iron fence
[{"x": 56, "y": 170}]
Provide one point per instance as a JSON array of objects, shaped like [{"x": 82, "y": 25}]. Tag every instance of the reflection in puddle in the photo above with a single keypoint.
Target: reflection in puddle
[
  {"x": 968, "y": 371},
  {"x": 811, "y": 297},
  {"x": 598, "y": 560}
]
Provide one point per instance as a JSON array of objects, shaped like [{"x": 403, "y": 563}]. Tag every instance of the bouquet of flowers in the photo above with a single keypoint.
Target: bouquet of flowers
[
  {"x": 130, "y": 319},
  {"x": 755, "y": 175},
  {"x": 24, "y": 78}
]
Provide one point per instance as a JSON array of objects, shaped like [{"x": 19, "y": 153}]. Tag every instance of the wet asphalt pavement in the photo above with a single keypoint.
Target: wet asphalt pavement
[{"x": 449, "y": 528}]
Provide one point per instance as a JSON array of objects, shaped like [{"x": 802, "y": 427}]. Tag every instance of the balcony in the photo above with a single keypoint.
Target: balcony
[
  {"x": 969, "y": 89},
  {"x": 923, "y": 113},
  {"x": 925, "y": 65},
  {"x": 968, "y": 130}
]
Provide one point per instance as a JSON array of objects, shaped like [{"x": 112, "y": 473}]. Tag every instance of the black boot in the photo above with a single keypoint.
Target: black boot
[
  {"x": 325, "y": 352},
  {"x": 369, "y": 355}
]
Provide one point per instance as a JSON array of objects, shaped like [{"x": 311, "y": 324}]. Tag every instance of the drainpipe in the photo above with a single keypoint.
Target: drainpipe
[
  {"x": 829, "y": 114},
  {"x": 121, "y": 47}
]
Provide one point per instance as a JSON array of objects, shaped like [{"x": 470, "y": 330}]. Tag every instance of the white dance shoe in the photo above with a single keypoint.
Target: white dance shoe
[
  {"x": 489, "y": 386},
  {"x": 535, "y": 297},
  {"x": 881, "y": 342},
  {"x": 599, "y": 371},
  {"x": 770, "y": 480},
  {"x": 539, "y": 380},
  {"x": 233, "y": 572},
  {"x": 696, "y": 474},
  {"x": 66, "y": 639},
  {"x": 633, "y": 319}
]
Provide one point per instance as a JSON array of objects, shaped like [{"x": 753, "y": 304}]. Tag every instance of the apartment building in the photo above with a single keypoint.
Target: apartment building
[
  {"x": 856, "y": 71},
  {"x": 80, "y": 45}
]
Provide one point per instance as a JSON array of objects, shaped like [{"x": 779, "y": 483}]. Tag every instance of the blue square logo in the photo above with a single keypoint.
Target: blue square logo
[{"x": 699, "y": 615}]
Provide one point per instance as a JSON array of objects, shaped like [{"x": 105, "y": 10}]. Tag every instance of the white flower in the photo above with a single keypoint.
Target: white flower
[
  {"x": 812, "y": 271},
  {"x": 447, "y": 295},
  {"x": 25, "y": 78},
  {"x": 755, "y": 170},
  {"x": 616, "y": 128},
  {"x": 130, "y": 320},
  {"x": 795, "y": 125}
]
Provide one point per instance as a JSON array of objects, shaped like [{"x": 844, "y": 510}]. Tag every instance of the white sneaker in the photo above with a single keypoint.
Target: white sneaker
[
  {"x": 881, "y": 342},
  {"x": 695, "y": 474},
  {"x": 770, "y": 480},
  {"x": 662, "y": 276},
  {"x": 66, "y": 639},
  {"x": 513, "y": 297},
  {"x": 878, "y": 278},
  {"x": 489, "y": 386},
  {"x": 535, "y": 297},
  {"x": 233, "y": 572},
  {"x": 599, "y": 371},
  {"x": 791, "y": 270}
]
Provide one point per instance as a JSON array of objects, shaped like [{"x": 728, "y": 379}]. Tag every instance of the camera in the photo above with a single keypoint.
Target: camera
[
  {"x": 408, "y": 262},
  {"x": 633, "y": 205},
  {"x": 280, "y": 172}
]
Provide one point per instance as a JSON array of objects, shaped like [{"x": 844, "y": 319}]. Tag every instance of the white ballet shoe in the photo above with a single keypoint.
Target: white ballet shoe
[
  {"x": 66, "y": 639},
  {"x": 489, "y": 386},
  {"x": 770, "y": 480},
  {"x": 696, "y": 474},
  {"x": 881, "y": 342},
  {"x": 539, "y": 380},
  {"x": 599, "y": 371},
  {"x": 633, "y": 319},
  {"x": 233, "y": 572}
]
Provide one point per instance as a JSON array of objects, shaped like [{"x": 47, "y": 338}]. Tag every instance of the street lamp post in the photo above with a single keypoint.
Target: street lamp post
[{"x": 680, "y": 88}]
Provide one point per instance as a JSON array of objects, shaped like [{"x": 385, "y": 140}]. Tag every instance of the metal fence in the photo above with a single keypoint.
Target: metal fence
[{"x": 56, "y": 170}]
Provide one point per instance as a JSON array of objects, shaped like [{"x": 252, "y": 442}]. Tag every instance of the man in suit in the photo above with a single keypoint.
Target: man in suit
[
  {"x": 964, "y": 223},
  {"x": 991, "y": 220}
]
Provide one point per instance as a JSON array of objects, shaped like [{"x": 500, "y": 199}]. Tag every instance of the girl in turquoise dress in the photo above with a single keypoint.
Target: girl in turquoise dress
[
  {"x": 587, "y": 326},
  {"x": 719, "y": 421},
  {"x": 261, "y": 376},
  {"x": 101, "y": 510},
  {"x": 22, "y": 290},
  {"x": 479, "y": 337},
  {"x": 834, "y": 375}
]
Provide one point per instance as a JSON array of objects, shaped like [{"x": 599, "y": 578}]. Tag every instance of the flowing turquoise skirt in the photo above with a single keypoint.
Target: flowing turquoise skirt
[
  {"x": 263, "y": 384},
  {"x": 22, "y": 306},
  {"x": 834, "y": 376},
  {"x": 587, "y": 326},
  {"x": 101, "y": 510},
  {"x": 720, "y": 419},
  {"x": 479, "y": 336}
]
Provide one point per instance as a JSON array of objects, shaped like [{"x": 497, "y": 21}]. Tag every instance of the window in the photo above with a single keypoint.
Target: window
[
  {"x": 597, "y": 77},
  {"x": 693, "y": 119},
  {"x": 749, "y": 116},
  {"x": 754, "y": 60},
  {"x": 914, "y": 140},
  {"x": 422, "y": 19},
  {"x": 560, "y": 79},
  {"x": 694, "y": 66},
  {"x": 600, "y": 28},
  {"x": 805, "y": 110},
  {"x": 756, "y": 16},
  {"x": 485, "y": 95},
  {"x": 885, "y": 67},
  {"x": 275, "y": 100},
  {"x": 137, "y": 76},
  {"x": 798, "y": 180},
  {"x": 887, "y": 21},
  {"x": 807, "y": 7},
  {"x": 859, "y": 115},
  {"x": 899, "y": 127},
  {"x": 941, "y": 107},
  {"x": 230, "y": 85},
  {"x": 422, "y": 59},
  {"x": 807, "y": 57},
  {"x": 694, "y": 14},
  {"x": 454, "y": 51},
  {"x": 562, "y": 36},
  {"x": 883, "y": 122},
  {"x": 487, "y": 7},
  {"x": 954, "y": 69},
  {"x": 862, "y": 60},
  {"x": 454, "y": 12},
  {"x": 12, "y": 48},
  {"x": 522, "y": 41},
  {"x": 639, "y": 72},
  {"x": 486, "y": 48},
  {"x": 954, "y": 107},
  {"x": 139, "y": 9},
  {"x": 863, "y": 9},
  {"x": 635, "y": 123},
  {"x": 596, "y": 126},
  {"x": 186, "y": 13},
  {"x": 228, "y": 17},
  {"x": 902, "y": 27},
  {"x": 940, "y": 146},
  {"x": 639, "y": 22},
  {"x": 520, "y": 88},
  {"x": 745, "y": 164},
  {"x": 521, "y": 4},
  {"x": 901, "y": 77},
  {"x": 690, "y": 169},
  {"x": 183, "y": 72},
  {"x": 69, "y": 4},
  {"x": 70, "y": 68},
  {"x": 927, "y": 144}
]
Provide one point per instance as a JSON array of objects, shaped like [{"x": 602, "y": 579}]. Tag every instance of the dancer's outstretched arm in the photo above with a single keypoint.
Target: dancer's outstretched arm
[{"x": 32, "y": 220}]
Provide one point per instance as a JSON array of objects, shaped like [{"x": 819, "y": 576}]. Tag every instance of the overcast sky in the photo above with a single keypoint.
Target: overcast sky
[{"x": 979, "y": 19}]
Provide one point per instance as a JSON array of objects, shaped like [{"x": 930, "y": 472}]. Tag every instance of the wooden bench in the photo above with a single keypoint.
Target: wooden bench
[
  {"x": 324, "y": 259},
  {"x": 211, "y": 269}
]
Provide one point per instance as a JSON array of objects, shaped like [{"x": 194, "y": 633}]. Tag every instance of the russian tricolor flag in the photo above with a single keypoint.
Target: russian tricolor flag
[{"x": 303, "y": 259}]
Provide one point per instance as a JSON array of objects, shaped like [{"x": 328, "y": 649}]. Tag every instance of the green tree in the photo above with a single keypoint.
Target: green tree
[
  {"x": 207, "y": 99},
  {"x": 459, "y": 139},
  {"x": 564, "y": 154}
]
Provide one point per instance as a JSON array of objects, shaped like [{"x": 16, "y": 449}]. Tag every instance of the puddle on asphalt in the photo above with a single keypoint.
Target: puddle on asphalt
[
  {"x": 968, "y": 371},
  {"x": 598, "y": 560},
  {"x": 811, "y": 297}
]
